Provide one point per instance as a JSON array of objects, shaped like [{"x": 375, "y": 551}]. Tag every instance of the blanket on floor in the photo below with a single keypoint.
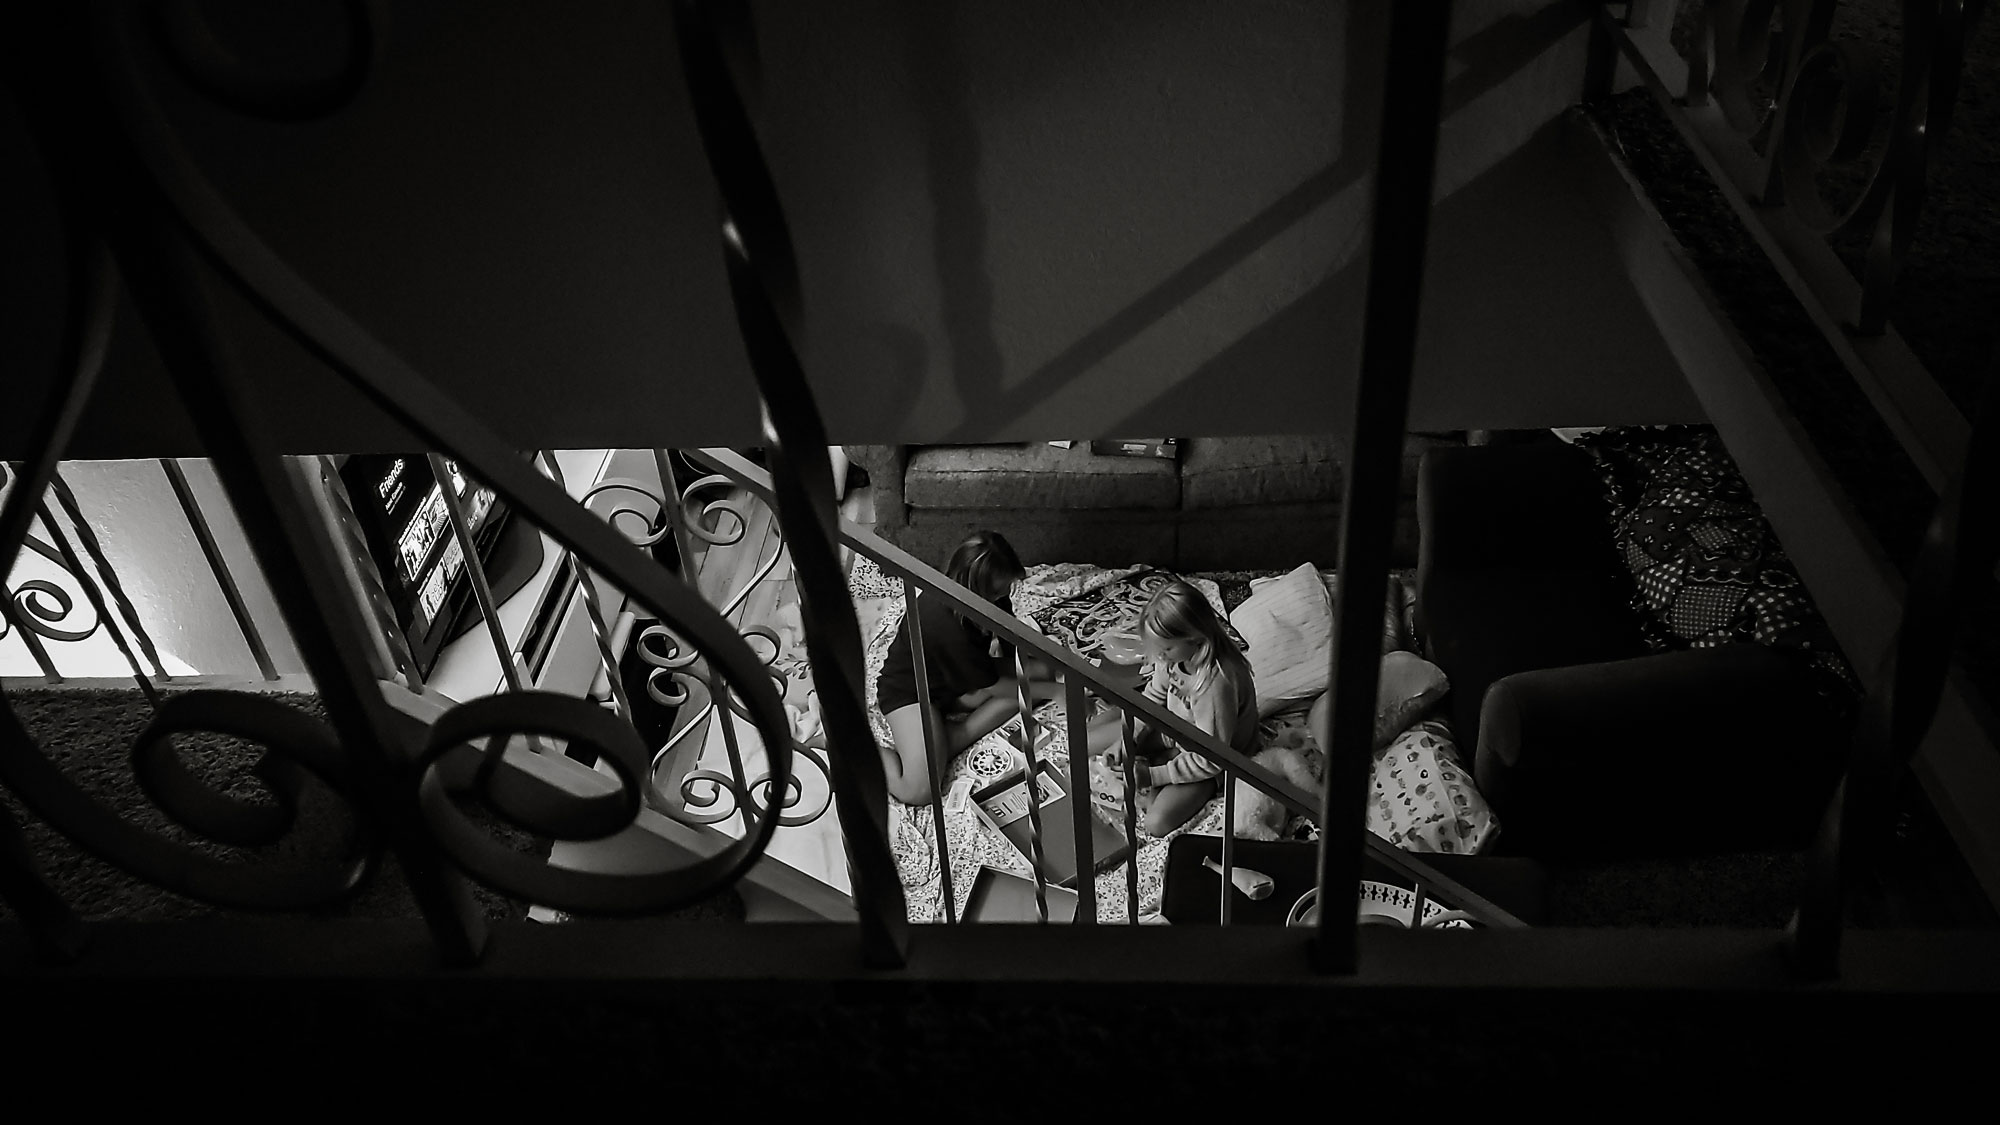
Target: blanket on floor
[{"x": 1078, "y": 605}]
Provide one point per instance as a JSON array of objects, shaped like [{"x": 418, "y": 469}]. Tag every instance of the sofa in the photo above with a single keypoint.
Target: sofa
[
  {"x": 1226, "y": 503},
  {"x": 1590, "y": 741}
]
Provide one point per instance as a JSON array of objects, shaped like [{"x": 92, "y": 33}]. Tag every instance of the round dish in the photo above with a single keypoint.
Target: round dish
[{"x": 1378, "y": 907}]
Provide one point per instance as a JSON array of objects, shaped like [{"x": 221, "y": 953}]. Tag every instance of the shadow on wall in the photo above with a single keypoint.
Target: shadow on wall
[{"x": 1481, "y": 63}]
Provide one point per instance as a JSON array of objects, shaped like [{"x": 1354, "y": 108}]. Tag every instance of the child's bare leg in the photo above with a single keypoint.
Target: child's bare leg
[
  {"x": 1174, "y": 805},
  {"x": 907, "y": 763}
]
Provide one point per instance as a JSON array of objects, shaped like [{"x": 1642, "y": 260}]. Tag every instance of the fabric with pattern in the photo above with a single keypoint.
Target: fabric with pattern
[{"x": 1708, "y": 568}]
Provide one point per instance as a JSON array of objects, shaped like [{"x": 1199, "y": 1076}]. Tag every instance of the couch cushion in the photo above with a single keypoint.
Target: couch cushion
[
  {"x": 1037, "y": 475},
  {"x": 1232, "y": 472}
]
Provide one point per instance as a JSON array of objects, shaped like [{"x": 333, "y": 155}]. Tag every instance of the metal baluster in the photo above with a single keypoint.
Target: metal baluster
[
  {"x": 763, "y": 277},
  {"x": 482, "y": 594},
  {"x": 718, "y": 692},
  {"x": 296, "y": 553},
  {"x": 475, "y": 571},
  {"x": 595, "y": 608},
  {"x": 1699, "y": 65},
  {"x": 105, "y": 571},
  {"x": 392, "y": 654},
  {"x": 1228, "y": 845},
  {"x": 934, "y": 743},
  {"x": 1131, "y": 819},
  {"x": 97, "y": 602},
  {"x": 1400, "y": 223},
  {"x": 1034, "y": 784},
  {"x": 59, "y": 936},
  {"x": 1958, "y": 554},
  {"x": 1075, "y": 711},
  {"x": 219, "y": 567},
  {"x": 87, "y": 323},
  {"x": 16, "y": 617}
]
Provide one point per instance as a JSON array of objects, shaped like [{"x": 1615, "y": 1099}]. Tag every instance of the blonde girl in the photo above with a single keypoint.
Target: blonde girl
[{"x": 1203, "y": 677}]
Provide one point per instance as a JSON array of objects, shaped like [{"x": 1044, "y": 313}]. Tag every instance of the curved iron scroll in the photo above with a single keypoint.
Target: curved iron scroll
[
  {"x": 764, "y": 286},
  {"x": 174, "y": 235}
]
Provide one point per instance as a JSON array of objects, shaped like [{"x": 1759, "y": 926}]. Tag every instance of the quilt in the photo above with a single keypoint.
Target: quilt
[{"x": 1077, "y": 605}]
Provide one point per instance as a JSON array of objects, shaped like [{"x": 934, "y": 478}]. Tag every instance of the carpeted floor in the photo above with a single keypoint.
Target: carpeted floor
[{"x": 88, "y": 734}]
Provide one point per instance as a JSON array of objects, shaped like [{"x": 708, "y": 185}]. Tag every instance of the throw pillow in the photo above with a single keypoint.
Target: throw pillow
[
  {"x": 1422, "y": 798},
  {"x": 1287, "y": 628},
  {"x": 1408, "y": 687}
]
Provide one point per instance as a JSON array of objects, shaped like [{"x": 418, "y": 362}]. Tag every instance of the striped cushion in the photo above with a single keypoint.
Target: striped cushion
[{"x": 1287, "y": 624}]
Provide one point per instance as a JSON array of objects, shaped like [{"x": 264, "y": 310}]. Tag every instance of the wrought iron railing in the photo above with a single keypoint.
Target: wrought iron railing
[
  {"x": 1767, "y": 97},
  {"x": 1083, "y": 681},
  {"x": 401, "y": 761}
]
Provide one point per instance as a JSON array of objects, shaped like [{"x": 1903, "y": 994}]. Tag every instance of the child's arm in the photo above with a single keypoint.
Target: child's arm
[
  {"x": 1213, "y": 710},
  {"x": 1155, "y": 690}
]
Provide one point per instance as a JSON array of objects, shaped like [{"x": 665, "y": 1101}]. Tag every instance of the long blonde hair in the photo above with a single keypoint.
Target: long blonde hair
[{"x": 1178, "y": 612}]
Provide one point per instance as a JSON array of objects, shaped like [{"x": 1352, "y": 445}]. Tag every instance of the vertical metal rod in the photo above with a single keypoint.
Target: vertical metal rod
[
  {"x": 482, "y": 591},
  {"x": 1699, "y": 67},
  {"x": 87, "y": 324},
  {"x": 1400, "y": 223},
  {"x": 18, "y": 501},
  {"x": 219, "y": 567},
  {"x": 599, "y": 630},
  {"x": 1034, "y": 783},
  {"x": 97, "y": 603},
  {"x": 1075, "y": 712},
  {"x": 1228, "y": 846},
  {"x": 934, "y": 742},
  {"x": 109, "y": 575},
  {"x": 393, "y": 658},
  {"x": 1417, "y": 906},
  {"x": 1131, "y": 819},
  {"x": 297, "y": 555},
  {"x": 1956, "y": 560}
]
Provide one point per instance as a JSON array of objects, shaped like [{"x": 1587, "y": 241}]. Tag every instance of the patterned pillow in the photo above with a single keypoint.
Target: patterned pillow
[
  {"x": 1708, "y": 568},
  {"x": 1422, "y": 798}
]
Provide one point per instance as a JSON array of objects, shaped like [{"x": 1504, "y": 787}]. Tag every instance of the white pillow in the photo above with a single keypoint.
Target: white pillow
[{"x": 1288, "y": 625}]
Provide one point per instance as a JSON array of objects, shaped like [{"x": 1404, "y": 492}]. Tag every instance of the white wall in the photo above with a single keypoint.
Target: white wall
[{"x": 147, "y": 539}]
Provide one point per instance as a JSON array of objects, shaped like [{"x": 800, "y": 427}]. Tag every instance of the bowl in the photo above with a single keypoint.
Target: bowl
[{"x": 1122, "y": 646}]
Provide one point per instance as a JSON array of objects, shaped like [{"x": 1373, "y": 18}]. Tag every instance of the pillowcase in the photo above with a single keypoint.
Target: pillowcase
[
  {"x": 1287, "y": 628},
  {"x": 1422, "y": 798}
]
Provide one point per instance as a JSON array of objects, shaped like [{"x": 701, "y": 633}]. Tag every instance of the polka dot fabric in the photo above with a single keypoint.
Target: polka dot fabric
[{"x": 1708, "y": 568}]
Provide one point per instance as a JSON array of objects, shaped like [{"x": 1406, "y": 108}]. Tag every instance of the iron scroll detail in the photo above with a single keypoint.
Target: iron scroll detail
[
  {"x": 762, "y": 270},
  {"x": 105, "y": 137}
]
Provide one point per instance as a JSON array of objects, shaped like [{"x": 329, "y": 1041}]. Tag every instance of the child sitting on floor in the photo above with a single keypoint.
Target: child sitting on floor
[
  {"x": 968, "y": 680},
  {"x": 1202, "y": 676}
]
